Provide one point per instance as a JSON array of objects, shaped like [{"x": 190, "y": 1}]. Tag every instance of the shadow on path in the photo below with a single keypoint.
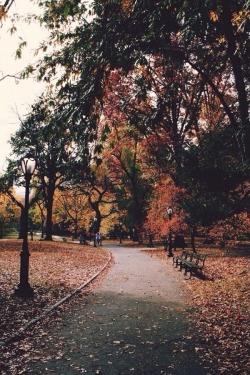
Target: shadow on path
[{"x": 135, "y": 322}]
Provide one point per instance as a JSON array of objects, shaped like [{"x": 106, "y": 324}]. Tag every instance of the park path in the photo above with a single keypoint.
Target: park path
[{"x": 135, "y": 322}]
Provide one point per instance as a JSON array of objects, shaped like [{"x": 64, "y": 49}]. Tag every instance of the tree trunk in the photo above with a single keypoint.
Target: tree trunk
[
  {"x": 1, "y": 229},
  {"x": 75, "y": 229},
  {"x": 237, "y": 67},
  {"x": 42, "y": 229},
  {"x": 49, "y": 221},
  {"x": 193, "y": 239}
]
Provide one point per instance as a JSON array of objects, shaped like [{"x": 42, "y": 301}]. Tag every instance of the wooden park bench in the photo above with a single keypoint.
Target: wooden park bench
[
  {"x": 196, "y": 265},
  {"x": 191, "y": 262},
  {"x": 179, "y": 259}
]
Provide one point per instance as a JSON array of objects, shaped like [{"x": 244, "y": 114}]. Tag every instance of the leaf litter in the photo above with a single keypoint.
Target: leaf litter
[
  {"x": 55, "y": 270},
  {"x": 222, "y": 309},
  {"x": 221, "y": 302}
]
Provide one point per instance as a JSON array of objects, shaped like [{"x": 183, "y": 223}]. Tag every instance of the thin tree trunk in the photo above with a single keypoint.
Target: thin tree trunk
[
  {"x": 238, "y": 75},
  {"x": 49, "y": 221},
  {"x": 193, "y": 240}
]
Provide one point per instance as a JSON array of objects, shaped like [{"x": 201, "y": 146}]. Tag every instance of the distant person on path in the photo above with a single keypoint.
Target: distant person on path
[
  {"x": 98, "y": 239},
  {"x": 82, "y": 238}
]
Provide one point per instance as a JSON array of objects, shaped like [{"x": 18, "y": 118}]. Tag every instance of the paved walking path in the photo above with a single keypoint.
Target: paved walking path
[{"x": 135, "y": 322}]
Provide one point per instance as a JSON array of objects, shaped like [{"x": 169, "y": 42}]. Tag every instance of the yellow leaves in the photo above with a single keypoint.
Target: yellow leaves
[
  {"x": 240, "y": 18},
  {"x": 127, "y": 6},
  {"x": 3, "y": 13},
  {"x": 213, "y": 16}
]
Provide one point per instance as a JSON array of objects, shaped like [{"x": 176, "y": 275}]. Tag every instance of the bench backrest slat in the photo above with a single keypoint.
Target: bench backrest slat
[
  {"x": 202, "y": 258},
  {"x": 195, "y": 258},
  {"x": 184, "y": 254},
  {"x": 190, "y": 255}
]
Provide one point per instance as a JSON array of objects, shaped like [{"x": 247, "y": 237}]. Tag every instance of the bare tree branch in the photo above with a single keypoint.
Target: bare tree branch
[
  {"x": 8, "y": 4},
  {"x": 15, "y": 76}
]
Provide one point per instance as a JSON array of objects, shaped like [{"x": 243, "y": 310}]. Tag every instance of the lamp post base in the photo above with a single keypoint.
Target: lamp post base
[{"x": 24, "y": 291}]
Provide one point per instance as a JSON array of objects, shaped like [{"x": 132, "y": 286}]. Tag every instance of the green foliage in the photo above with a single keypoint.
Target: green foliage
[
  {"x": 46, "y": 133},
  {"x": 213, "y": 178},
  {"x": 186, "y": 61},
  {"x": 21, "y": 45}
]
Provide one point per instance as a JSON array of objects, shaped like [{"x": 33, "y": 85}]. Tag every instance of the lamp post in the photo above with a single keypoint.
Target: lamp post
[
  {"x": 28, "y": 165},
  {"x": 170, "y": 243},
  {"x": 94, "y": 230}
]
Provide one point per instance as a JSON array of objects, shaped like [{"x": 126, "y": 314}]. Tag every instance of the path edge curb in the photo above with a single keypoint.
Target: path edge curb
[{"x": 17, "y": 336}]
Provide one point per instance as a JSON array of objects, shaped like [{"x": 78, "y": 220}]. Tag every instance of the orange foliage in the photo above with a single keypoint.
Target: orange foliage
[
  {"x": 232, "y": 227},
  {"x": 164, "y": 195}
]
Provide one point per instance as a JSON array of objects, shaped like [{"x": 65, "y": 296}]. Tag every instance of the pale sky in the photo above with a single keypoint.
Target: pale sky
[{"x": 16, "y": 97}]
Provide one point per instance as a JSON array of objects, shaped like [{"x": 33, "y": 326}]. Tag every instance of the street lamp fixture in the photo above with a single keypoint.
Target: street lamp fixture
[
  {"x": 169, "y": 212},
  {"x": 28, "y": 165},
  {"x": 170, "y": 242}
]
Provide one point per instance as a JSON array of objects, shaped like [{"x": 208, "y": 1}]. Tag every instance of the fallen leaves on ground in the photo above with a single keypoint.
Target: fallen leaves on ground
[
  {"x": 56, "y": 269},
  {"x": 222, "y": 314},
  {"x": 221, "y": 301}
]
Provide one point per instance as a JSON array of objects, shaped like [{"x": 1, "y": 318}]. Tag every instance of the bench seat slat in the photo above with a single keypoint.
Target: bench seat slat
[{"x": 190, "y": 261}]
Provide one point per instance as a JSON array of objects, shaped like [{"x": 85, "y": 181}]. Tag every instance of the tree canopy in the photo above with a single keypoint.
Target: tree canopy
[{"x": 176, "y": 74}]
